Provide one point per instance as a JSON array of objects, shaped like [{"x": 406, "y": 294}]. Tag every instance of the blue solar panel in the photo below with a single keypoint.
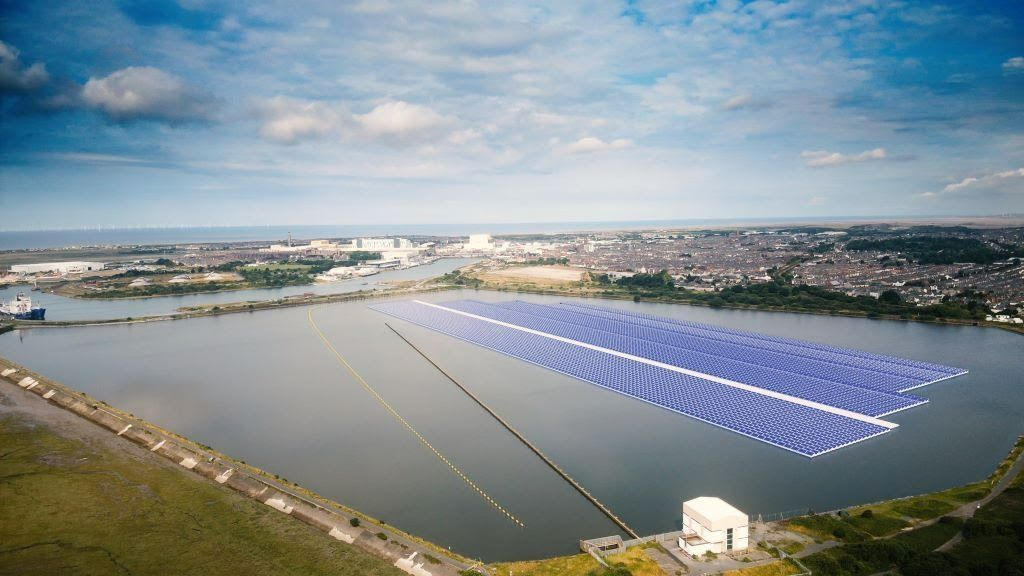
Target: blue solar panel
[
  {"x": 769, "y": 371},
  {"x": 904, "y": 374},
  {"x": 790, "y": 425}
]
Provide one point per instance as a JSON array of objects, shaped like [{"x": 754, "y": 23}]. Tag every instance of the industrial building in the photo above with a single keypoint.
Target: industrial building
[
  {"x": 712, "y": 525},
  {"x": 58, "y": 267},
  {"x": 376, "y": 244}
]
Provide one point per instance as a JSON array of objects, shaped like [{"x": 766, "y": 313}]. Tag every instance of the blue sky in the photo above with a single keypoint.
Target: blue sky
[{"x": 385, "y": 111}]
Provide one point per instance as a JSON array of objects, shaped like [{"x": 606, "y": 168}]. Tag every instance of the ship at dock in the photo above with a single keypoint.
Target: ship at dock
[{"x": 21, "y": 309}]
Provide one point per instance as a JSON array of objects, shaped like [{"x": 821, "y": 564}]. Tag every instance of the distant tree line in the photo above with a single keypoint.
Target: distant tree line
[
  {"x": 547, "y": 262},
  {"x": 780, "y": 293},
  {"x": 158, "y": 290}
]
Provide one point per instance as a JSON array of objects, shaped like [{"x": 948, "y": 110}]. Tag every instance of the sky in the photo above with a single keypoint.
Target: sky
[{"x": 389, "y": 111}]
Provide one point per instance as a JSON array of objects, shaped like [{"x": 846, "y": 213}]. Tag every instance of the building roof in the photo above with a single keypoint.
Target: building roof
[{"x": 714, "y": 513}]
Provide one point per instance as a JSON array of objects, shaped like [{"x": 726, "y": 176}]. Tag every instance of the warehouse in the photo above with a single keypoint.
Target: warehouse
[{"x": 58, "y": 267}]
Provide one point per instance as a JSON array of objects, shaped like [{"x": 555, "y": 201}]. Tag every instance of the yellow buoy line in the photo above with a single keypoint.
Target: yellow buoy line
[{"x": 406, "y": 423}]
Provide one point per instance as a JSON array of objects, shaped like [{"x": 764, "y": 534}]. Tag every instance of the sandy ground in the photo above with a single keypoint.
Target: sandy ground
[{"x": 546, "y": 273}]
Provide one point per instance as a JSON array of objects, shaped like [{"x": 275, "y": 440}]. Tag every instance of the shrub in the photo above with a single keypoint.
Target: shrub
[
  {"x": 354, "y": 522},
  {"x": 382, "y": 536},
  {"x": 867, "y": 514}
]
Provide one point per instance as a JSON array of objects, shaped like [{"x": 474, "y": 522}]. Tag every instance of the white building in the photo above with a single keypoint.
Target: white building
[
  {"x": 479, "y": 242},
  {"x": 377, "y": 244},
  {"x": 712, "y": 525},
  {"x": 59, "y": 267}
]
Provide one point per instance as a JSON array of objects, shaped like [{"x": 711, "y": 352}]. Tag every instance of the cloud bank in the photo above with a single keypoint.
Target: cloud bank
[
  {"x": 824, "y": 158},
  {"x": 987, "y": 181},
  {"x": 147, "y": 93},
  {"x": 15, "y": 76}
]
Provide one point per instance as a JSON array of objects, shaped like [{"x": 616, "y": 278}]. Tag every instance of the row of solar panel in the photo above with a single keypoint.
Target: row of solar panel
[
  {"x": 874, "y": 374},
  {"x": 693, "y": 354},
  {"x": 925, "y": 371},
  {"x": 806, "y": 365},
  {"x": 801, "y": 429}
]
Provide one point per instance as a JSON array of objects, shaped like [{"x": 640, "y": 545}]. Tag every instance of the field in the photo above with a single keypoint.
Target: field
[
  {"x": 784, "y": 568},
  {"x": 73, "y": 504},
  {"x": 635, "y": 560},
  {"x": 536, "y": 274}
]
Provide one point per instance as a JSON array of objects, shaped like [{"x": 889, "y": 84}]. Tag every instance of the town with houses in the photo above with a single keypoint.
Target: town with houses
[{"x": 698, "y": 260}]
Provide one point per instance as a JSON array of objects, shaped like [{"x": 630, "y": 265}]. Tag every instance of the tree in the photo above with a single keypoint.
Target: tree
[{"x": 890, "y": 297}]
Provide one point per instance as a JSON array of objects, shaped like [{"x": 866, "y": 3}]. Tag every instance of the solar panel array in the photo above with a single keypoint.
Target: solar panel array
[
  {"x": 770, "y": 371},
  {"x": 775, "y": 390}
]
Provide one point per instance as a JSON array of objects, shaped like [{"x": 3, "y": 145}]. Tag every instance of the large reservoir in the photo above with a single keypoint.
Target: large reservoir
[{"x": 263, "y": 388}]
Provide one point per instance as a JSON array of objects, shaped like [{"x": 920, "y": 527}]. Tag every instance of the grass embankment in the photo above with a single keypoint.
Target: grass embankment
[
  {"x": 73, "y": 507},
  {"x": 785, "y": 568},
  {"x": 204, "y": 451},
  {"x": 881, "y": 537},
  {"x": 633, "y": 561},
  {"x": 870, "y": 557},
  {"x": 863, "y": 523}
]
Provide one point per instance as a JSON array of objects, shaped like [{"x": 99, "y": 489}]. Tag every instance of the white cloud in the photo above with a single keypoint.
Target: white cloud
[
  {"x": 92, "y": 158},
  {"x": 14, "y": 76},
  {"x": 821, "y": 158},
  {"x": 401, "y": 122},
  {"x": 677, "y": 95},
  {"x": 986, "y": 181},
  {"x": 288, "y": 121},
  {"x": 1014, "y": 65},
  {"x": 147, "y": 93},
  {"x": 744, "y": 102},
  {"x": 464, "y": 136},
  {"x": 590, "y": 144}
]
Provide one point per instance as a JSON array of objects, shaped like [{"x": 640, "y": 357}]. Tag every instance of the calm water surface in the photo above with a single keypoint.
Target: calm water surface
[
  {"x": 264, "y": 389},
  {"x": 62, "y": 308}
]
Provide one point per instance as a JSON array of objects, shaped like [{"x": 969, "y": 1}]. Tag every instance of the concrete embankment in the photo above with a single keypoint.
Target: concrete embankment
[
  {"x": 234, "y": 308},
  {"x": 410, "y": 554}
]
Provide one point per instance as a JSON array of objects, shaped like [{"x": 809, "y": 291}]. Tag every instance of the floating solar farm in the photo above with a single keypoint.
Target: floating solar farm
[{"x": 804, "y": 397}]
